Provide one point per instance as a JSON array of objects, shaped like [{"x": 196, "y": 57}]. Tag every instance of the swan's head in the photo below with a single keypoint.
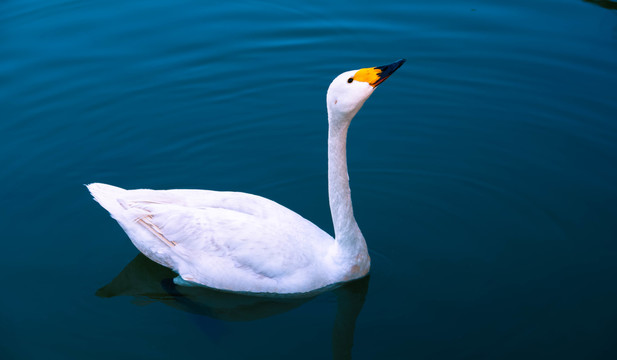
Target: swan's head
[{"x": 349, "y": 91}]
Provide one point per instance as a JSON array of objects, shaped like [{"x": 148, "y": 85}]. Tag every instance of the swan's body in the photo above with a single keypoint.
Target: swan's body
[{"x": 241, "y": 242}]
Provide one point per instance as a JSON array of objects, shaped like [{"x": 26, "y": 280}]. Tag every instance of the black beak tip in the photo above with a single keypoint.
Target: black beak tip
[
  {"x": 387, "y": 70},
  {"x": 395, "y": 65}
]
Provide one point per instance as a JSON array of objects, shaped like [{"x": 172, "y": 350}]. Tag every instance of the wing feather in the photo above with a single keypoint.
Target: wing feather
[
  {"x": 226, "y": 240},
  {"x": 267, "y": 241}
]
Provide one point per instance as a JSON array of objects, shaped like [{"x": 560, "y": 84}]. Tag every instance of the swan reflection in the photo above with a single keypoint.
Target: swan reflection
[
  {"x": 607, "y": 4},
  {"x": 148, "y": 281}
]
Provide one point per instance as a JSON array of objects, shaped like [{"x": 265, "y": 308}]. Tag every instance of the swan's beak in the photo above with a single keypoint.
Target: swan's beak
[{"x": 376, "y": 75}]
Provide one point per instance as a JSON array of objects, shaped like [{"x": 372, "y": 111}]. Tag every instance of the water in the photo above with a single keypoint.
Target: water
[{"x": 483, "y": 174}]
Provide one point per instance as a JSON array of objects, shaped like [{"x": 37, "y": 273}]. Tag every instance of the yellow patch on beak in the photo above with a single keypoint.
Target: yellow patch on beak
[
  {"x": 376, "y": 75},
  {"x": 368, "y": 75}
]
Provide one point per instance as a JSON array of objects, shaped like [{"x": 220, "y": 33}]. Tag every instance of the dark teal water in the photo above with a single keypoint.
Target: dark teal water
[{"x": 483, "y": 173}]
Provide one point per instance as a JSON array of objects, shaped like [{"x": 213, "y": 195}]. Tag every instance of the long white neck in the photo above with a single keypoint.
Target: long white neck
[{"x": 347, "y": 233}]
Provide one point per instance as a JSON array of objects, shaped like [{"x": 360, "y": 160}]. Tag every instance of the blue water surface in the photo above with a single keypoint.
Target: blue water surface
[{"x": 483, "y": 174}]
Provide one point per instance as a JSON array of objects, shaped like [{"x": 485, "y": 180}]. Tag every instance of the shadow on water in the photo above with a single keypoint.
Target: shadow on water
[
  {"x": 607, "y": 4},
  {"x": 149, "y": 282}
]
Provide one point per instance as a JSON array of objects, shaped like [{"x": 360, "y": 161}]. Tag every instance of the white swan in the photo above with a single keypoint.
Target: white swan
[{"x": 241, "y": 242}]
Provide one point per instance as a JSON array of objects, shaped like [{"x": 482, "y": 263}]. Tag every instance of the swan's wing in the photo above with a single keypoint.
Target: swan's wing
[{"x": 233, "y": 241}]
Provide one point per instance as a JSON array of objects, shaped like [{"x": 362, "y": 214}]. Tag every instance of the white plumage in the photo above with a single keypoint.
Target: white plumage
[{"x": 241, "y": 242}]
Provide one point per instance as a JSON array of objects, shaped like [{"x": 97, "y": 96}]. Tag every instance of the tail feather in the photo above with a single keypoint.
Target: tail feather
[
  {"x": 107, "y": 196},
  {"x": 137, "y": 222}
]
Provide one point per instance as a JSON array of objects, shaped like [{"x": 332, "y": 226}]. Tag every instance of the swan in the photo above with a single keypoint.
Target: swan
[{"x": 240, "y": 242}]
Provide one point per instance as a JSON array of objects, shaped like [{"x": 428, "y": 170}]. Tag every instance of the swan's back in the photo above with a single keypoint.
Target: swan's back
[{"x": 226, "y": 240}]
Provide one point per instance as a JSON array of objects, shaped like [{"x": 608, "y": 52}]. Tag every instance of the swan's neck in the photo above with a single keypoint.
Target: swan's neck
[{"x": 347, "y": 233}]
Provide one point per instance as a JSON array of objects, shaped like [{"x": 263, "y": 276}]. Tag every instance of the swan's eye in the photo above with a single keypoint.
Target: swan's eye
[{"x": 350, "y": 80}]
